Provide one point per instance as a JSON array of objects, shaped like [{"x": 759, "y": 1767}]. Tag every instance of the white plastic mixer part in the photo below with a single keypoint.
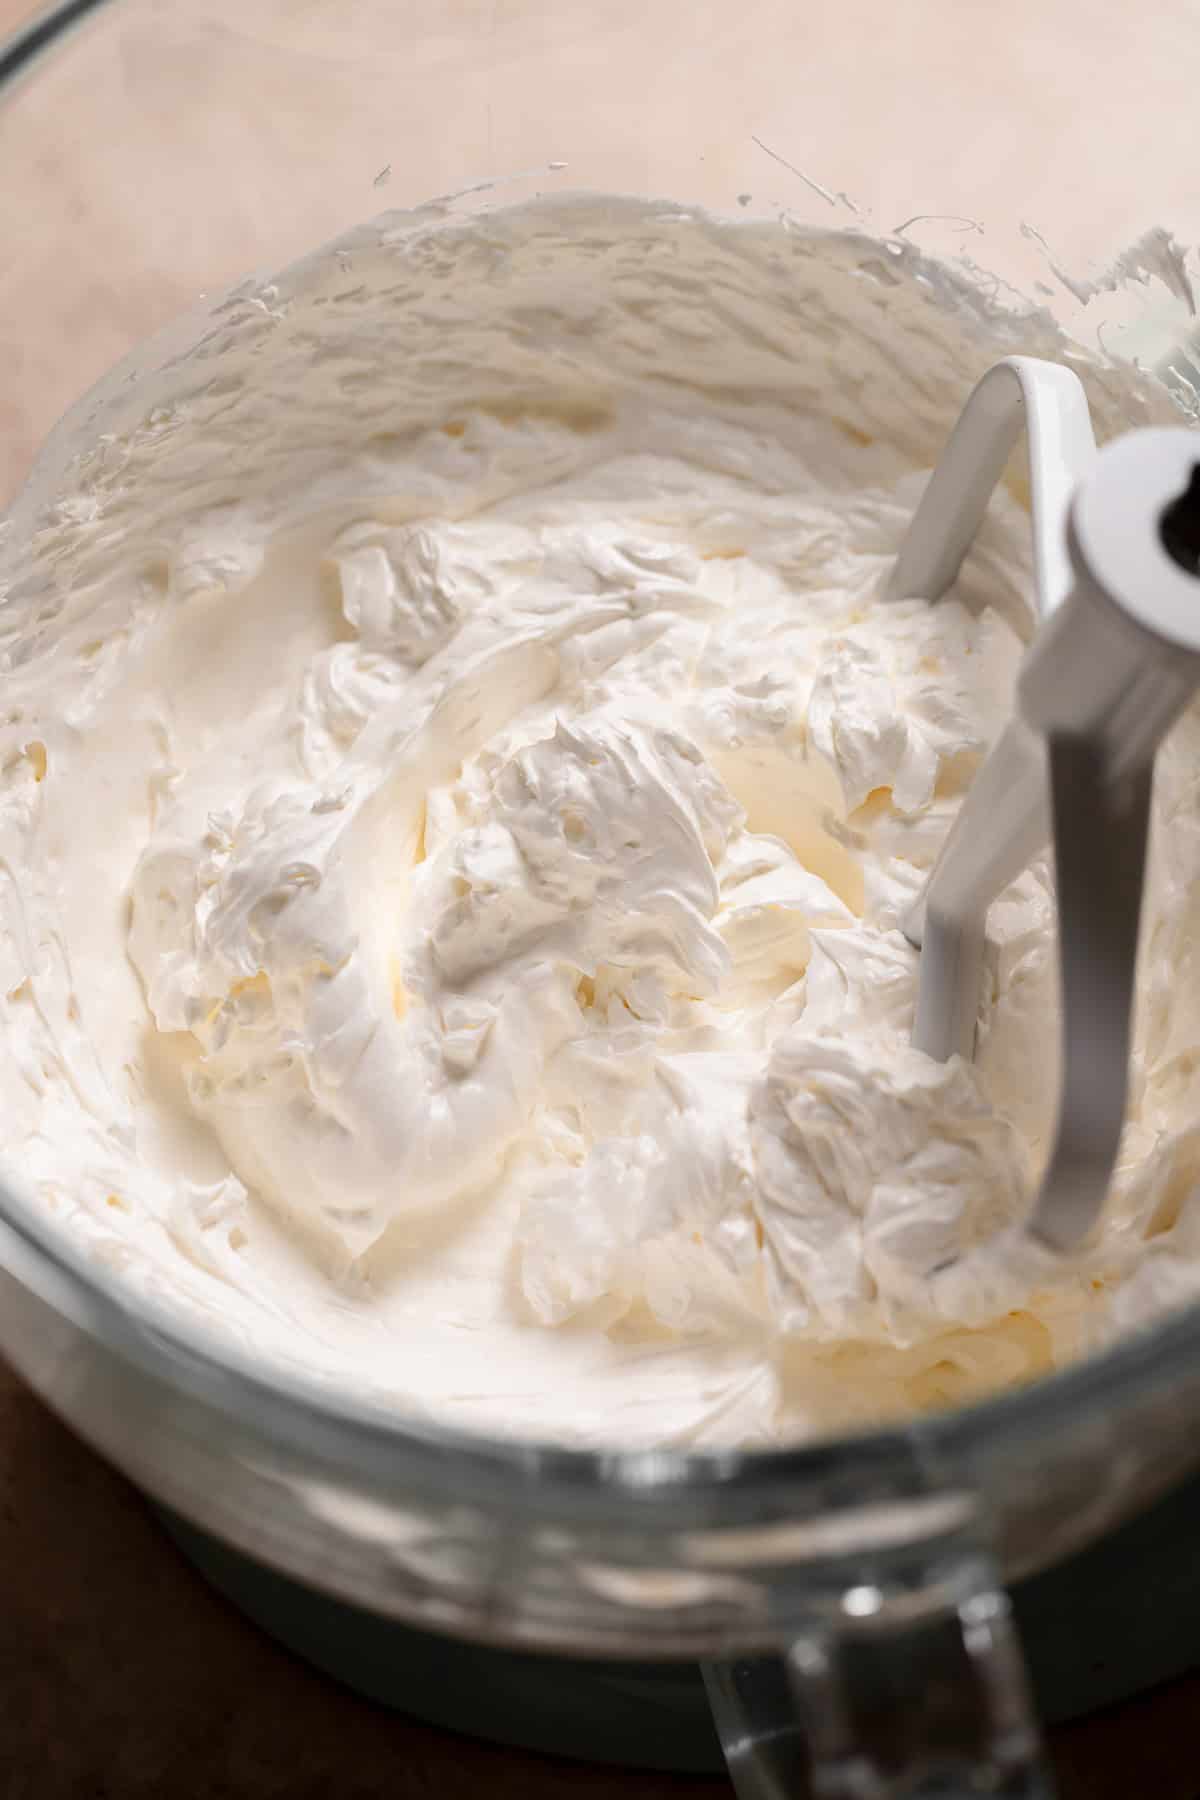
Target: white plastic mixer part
[
  {"x": 1049, "y": 402},
  {"x": 1113, "y": 664},
  {"x": 1021, "y": 392}
]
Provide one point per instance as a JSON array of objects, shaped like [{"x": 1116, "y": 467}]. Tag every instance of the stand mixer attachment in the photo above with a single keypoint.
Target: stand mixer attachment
[{"x": 1115, "y": 660}]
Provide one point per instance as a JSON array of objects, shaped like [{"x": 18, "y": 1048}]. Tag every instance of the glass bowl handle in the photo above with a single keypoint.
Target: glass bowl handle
[{"x": 896, "y": 1692}]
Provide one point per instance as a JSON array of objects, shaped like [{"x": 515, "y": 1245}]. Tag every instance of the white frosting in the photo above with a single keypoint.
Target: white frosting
[{"x": 459, "y": 782}]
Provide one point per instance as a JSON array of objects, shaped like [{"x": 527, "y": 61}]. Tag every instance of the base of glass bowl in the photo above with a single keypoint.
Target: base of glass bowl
[{"x": 1120, "y": 1617}]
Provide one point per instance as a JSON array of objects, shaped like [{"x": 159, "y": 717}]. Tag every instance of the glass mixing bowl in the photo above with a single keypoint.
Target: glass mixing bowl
[{"x": 156, "y": 150}]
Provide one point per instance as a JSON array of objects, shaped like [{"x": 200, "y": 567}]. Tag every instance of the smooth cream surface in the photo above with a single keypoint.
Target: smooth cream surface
[{"x": 459, "y": 781}]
